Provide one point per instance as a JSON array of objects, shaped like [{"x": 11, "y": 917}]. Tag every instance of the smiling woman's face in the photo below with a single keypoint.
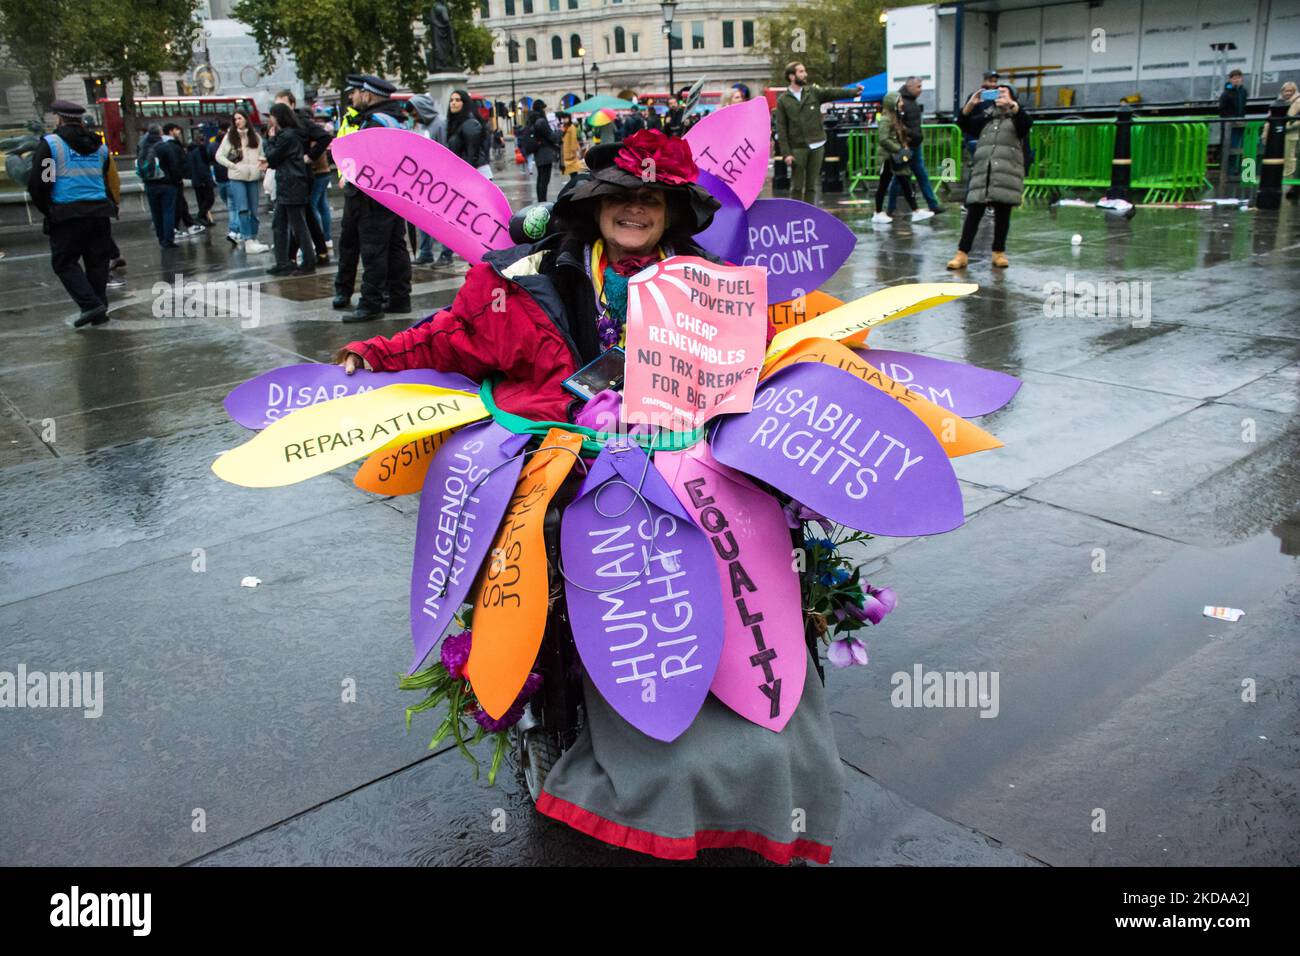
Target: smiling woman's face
[{"x": 633, "y": 222}]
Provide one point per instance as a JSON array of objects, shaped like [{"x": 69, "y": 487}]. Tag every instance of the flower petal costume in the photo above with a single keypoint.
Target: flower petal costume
[{"x": 666, "y": 570}]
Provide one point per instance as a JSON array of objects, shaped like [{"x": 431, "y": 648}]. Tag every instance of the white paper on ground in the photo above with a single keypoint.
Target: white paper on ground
[{"x": 1231, "y": 614}]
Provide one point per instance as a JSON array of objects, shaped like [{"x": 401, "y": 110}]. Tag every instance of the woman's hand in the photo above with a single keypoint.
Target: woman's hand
[{"x": 350, "y": 361}]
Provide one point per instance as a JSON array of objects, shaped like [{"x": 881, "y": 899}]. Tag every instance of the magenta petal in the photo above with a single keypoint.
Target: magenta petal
[
  {"x": 885, "y": 596},
  {"x": 839, "y": 653},
  {"x": 872, "y": 610},
  {"x": 601, "y": 411},
  {"x": 859, "y": 651},
  {"x": 857, "y": 611}
]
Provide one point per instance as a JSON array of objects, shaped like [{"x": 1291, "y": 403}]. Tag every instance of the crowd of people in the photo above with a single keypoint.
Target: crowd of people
[
  {"x": 543, "y": 142},
  {"x": 995, "y": 135},
  {"x": 288, "y": 160}
]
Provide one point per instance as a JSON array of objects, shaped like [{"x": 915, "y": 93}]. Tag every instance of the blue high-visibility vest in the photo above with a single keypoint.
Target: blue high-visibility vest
[{"x": 77, "y": 178}]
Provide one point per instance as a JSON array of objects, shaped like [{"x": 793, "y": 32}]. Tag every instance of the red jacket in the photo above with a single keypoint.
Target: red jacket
[
  {"x": 506, "y": 319},
  {"x": 513, "y": 317}
]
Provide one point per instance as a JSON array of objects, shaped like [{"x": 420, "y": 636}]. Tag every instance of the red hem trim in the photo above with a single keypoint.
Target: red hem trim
[{"x": 677, "y": 848}]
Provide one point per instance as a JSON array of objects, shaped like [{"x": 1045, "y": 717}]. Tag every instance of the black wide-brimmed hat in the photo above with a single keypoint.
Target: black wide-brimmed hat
[{"x": 646, "y": 158}]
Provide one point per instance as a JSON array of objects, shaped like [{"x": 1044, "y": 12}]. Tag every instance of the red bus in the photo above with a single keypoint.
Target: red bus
[
  {"x": 190, "y": 112},
  {"x": 660, "y": 98}
]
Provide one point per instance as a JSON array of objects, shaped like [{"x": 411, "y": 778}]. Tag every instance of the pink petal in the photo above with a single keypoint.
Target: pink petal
[
  {"x": 839, "y": 654},
  {"x": 873, "y": 610}
]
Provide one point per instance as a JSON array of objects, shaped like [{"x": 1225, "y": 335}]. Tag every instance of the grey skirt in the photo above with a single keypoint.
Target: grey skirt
[{"x": 725, "y": 782}]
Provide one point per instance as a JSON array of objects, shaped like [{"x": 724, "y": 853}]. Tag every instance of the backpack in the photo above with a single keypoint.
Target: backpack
[
  {"x": 526, "y": 141},
  {"x": 146, "y": 163}
]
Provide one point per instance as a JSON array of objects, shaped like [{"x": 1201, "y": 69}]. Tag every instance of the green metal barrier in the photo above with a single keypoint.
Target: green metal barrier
[
  {"x": 1169, "y": 155},
  {"x": 1170, "y": 158},
  {"x": 1069, "y": 154},
  {"x": 941, "y": 150}
]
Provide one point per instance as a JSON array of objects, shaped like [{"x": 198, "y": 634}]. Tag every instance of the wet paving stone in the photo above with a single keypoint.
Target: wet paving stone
[
  {"x": 1085, "y": 661},
  {"x": 1055, "y": 422},
  {"x": 1214, "y": 476},
  {"x": 125, "y": 507},
  {"x": 215, "y": 696},
  {"x": 128, "y": 376}
]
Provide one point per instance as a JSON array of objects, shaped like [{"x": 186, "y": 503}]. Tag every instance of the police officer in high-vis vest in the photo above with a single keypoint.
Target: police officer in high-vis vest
[
  {"x": 348, "y": 248},
  {"x": 381, "y": 233},
  {"x": 75, "y": 186}
]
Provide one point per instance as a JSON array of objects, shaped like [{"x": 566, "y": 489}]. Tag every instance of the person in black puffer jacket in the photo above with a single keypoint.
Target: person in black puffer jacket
[
  {"x": 547, "y": 149},
  {"x": 284, "y": 153},
  {"x": 468, "y": 139},
  {"x": 466, "y": 136}
]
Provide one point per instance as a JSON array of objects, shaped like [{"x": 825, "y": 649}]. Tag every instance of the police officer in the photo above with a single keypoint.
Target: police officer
[
  {"x": 75, "y": 186},
  {"x": 348, "y": 249},
  {"x": 386, "y": 267}
]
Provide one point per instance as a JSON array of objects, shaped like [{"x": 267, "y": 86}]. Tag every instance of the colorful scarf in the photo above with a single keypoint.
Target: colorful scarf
[{"x": 610, "y": 283}]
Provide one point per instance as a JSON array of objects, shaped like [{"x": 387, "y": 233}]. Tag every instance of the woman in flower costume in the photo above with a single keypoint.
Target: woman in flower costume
[
  {"x": 722, "y": 739},
  {"x": 531, "y": 316}
]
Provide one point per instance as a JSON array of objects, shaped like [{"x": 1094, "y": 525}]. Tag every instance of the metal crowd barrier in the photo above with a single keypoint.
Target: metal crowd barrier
[
  {"x": 941, "y": 150},
  {"x": 1157, "y": 159}
]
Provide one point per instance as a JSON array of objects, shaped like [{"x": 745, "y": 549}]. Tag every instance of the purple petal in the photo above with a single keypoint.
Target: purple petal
[
  {"x": 859, "y": 651},
  {"x": 839, "y": 653},
  {"x": 885, "y": 596},
  {"x": 872, "y": 610},
  {"x": 857, "y": 611}
]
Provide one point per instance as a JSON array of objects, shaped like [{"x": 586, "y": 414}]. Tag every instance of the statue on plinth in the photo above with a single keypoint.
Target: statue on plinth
[{"x": 441, "y": 53}]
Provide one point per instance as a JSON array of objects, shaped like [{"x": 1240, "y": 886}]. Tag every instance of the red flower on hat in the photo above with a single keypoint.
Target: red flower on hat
[{"x": 654, "y": 157}]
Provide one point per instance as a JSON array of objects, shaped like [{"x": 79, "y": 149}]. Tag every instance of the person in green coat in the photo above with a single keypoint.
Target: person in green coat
[
  {"x": 800, "y": 135},
  {"x": 997, "y": 178},
  {"x": 892, "y": 139}
]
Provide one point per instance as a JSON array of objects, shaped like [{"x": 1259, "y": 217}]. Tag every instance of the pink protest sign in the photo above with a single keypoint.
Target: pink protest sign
[
  {"x": 764, "y": 659},
  {"x": 696, "y": 333},
  {"x": 429, "y": 186},
  {"x": 735, "y": 144}
]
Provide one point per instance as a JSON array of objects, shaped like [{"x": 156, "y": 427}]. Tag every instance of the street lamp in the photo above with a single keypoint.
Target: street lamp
[
  {"x": 833, "y": 55},
  {"x": 595, "y": 79},
  {"x": 582, "y": 54},
  {"x": 512, "y": 48},
  {"x": 669, "y": 7}
]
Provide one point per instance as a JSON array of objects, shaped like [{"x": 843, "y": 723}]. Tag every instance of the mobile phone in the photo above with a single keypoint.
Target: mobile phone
[
  {"x": 604, "y": 372},
  {"x": 989, "y": 96}
]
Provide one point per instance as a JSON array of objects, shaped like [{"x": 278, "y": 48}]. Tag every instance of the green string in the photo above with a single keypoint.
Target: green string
[{"x": 592, "y": 440}]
